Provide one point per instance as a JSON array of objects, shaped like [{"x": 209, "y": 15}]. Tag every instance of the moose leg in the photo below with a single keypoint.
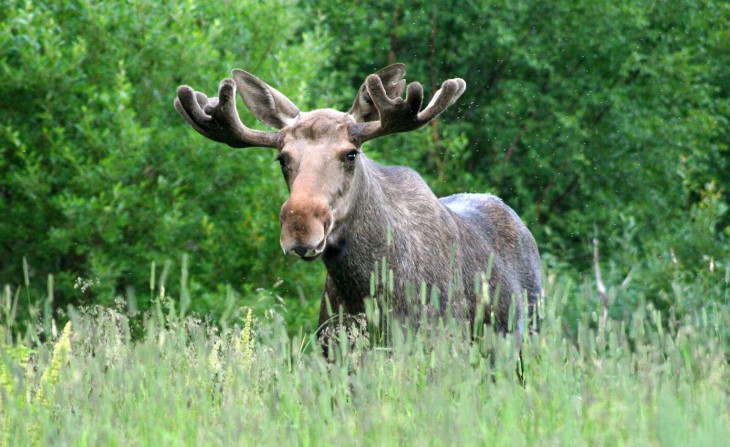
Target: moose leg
[
  {"x": 336, "y": 318},
  {"x": 328, "y": 311}
]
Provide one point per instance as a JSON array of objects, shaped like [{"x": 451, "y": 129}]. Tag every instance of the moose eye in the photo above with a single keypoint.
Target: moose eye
[{"x": 351, "y": 156}]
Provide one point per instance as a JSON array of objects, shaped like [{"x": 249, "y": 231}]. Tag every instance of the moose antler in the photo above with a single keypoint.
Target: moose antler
[
  {"x": 401, "y": 115},
  {"x": 217, "y": 118},
  {"x": 363, "y": 109}
]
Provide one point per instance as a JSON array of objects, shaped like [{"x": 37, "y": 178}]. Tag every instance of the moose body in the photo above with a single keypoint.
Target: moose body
[
  {"x": 352, "y": 212},
  {"x": 444, "y": 243}
]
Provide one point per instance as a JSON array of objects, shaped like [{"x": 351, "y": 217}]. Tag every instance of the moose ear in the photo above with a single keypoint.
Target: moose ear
[
  {"x": 267, "y": 104},
  {"x": 362, "y": 109}
]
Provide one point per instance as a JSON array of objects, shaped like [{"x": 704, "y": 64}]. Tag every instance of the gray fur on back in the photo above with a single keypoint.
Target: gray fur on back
[
  {"x": 516, "y": 262},
  {"x": 445, "y": 243}
]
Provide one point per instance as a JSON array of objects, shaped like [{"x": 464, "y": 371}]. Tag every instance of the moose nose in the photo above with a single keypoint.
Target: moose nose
[
  {"x": 304, "y": 252},
  {"x": 305, "y": 224},
  {"x": 300, "y": 250}
]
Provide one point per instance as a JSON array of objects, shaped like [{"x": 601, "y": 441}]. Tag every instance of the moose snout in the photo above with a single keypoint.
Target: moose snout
[{"x": 305, "y": 226}]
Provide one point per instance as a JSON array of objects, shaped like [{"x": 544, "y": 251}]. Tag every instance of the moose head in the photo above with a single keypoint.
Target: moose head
[{"x": 319, "y": 151}]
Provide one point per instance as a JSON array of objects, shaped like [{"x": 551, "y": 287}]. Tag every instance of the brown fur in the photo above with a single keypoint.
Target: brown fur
[
  {"x": 432, "y": 240},
  {"x": 342, "y": 205}
]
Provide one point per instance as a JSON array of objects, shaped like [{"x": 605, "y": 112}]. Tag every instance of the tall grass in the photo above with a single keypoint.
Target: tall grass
[{"x": 190, "y": 382}]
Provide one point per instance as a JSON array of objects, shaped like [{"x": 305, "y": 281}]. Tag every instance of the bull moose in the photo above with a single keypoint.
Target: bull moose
[{"x": 353, "y": 212}]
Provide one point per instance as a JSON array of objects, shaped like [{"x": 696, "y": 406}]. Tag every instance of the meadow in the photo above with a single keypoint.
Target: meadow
[
  {"x": 191, "y": 381},
  {"x": 144, "y": 298}
]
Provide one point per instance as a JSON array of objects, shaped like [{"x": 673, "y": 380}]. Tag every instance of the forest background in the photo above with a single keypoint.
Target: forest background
[{"x": 598, "y": 119}]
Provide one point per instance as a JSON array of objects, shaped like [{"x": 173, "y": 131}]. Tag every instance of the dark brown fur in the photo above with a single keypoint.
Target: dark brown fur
[{"x": 432, "y": 240}]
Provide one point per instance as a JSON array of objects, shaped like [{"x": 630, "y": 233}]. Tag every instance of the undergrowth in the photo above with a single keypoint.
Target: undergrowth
[{"x": 187, "y": 381}]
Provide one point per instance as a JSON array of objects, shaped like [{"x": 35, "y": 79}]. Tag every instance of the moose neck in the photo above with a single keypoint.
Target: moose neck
[
  {"x": 387, "y": 200},
  {"x": 360, "y": 237}
]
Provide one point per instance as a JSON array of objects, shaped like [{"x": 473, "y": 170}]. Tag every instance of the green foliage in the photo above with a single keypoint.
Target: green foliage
[
  {"x": 581, "y": 115},
  {"x": 591, "y": 119},
  {"x": 575, "y": 113},
  {"x": 101, "y": 177},
  {"x": 684, "y": 269}
]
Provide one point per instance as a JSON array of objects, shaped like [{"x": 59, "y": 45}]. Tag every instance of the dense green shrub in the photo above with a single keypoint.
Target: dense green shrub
[
  {"x": 575, "y": 113},
  {"x": 101, "y": 177},
  {"x": 589, "y": 118}
]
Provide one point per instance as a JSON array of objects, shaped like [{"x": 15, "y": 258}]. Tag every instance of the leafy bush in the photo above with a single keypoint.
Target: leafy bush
[
  {"x": 578, "y": 115},
  {"x": 575, "y": 113},
  {"x": 100, "y": 175},
  {"x": 581, "y": 117}
]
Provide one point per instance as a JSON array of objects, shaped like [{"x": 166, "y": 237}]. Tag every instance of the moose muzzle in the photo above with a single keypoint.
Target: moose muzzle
[{"x": 305, "y": 224}]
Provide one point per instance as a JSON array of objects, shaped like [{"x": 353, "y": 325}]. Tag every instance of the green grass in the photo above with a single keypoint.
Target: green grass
[{"x": 189, "y": 382}]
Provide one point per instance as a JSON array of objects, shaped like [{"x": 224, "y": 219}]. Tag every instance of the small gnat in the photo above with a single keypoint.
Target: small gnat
[{"x": 84, "y": 284}]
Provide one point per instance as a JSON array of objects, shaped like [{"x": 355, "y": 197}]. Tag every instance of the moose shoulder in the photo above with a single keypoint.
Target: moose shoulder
[{"x": 352, "y": 212}]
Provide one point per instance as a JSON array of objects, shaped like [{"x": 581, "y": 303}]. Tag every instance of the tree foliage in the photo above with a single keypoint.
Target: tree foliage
[
  {"x": 100, "y": 175},
  {"x": 585, "y": 117},
  {"x": 588, "y": 117}
]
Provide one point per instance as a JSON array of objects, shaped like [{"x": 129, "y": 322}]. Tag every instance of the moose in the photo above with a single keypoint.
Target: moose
[{"x": 352, "y": 212}]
